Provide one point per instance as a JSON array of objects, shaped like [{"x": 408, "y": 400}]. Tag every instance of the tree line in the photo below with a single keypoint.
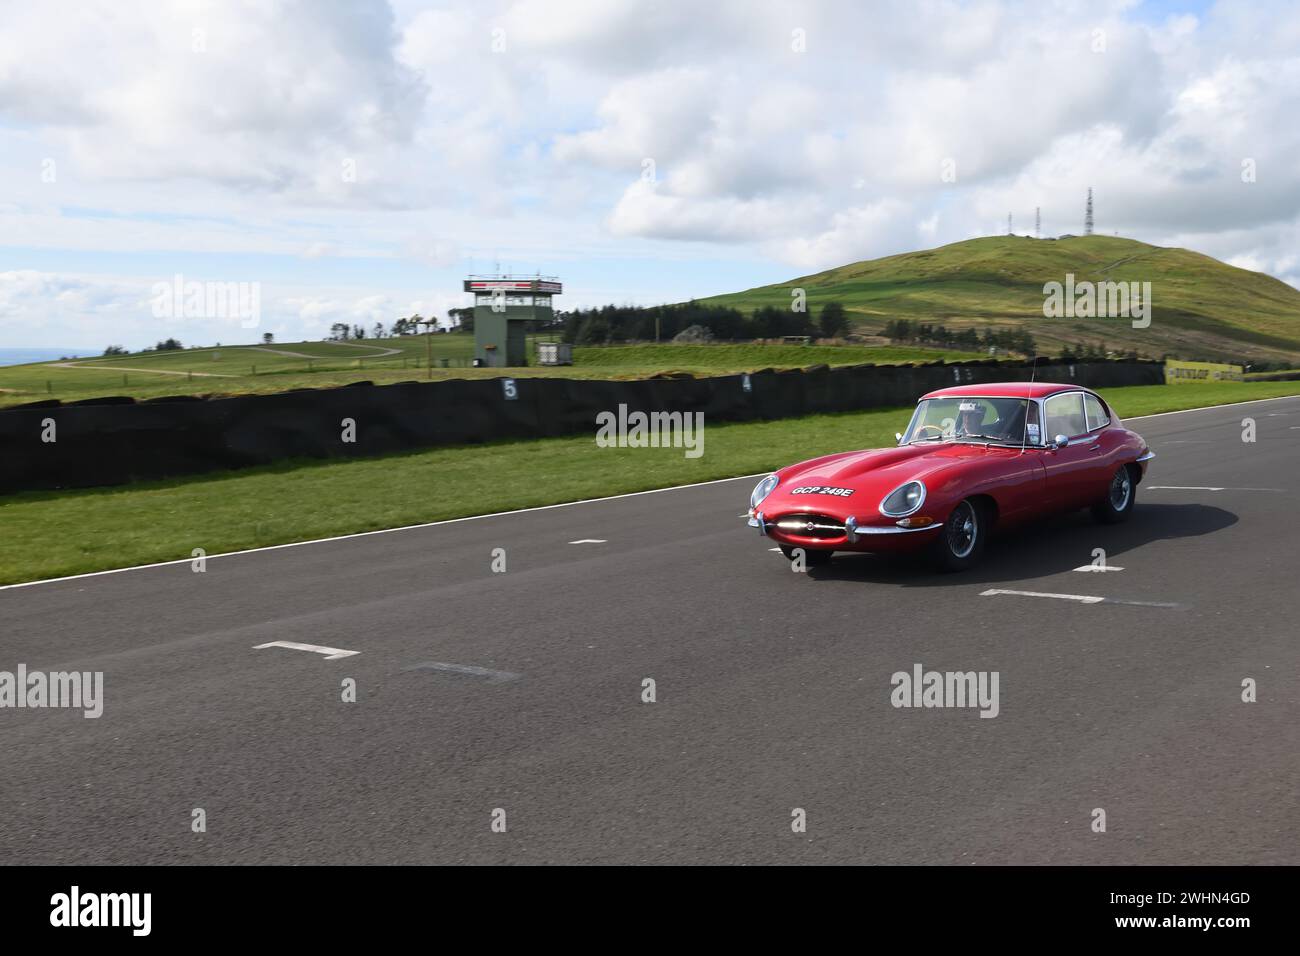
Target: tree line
[
  {"x": 611, "y": 324},
  {"x": 345, "y": 332},
  {"x": 972, "y": 340}
]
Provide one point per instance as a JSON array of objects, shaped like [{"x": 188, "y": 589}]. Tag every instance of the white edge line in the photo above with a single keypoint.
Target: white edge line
[
  {"x": 364, "y": 534},
  {"x": 517, "y": 511}
]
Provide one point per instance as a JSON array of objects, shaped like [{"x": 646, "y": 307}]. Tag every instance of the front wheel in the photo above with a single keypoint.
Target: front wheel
[
  {"x": 1118, "y": 503},
  {"x": 962, "y": 539},
  {"x": 811, "y": 558}
]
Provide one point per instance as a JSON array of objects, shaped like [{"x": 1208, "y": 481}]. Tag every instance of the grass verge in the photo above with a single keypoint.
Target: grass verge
[{"x": 51, "y": 534}]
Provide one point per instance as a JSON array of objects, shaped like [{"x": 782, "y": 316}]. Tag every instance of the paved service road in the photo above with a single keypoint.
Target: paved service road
[{"x": 522, "y": 690}]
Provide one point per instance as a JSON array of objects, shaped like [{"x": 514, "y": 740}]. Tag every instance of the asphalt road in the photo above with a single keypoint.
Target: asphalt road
[{"x": 773, "y": 690}]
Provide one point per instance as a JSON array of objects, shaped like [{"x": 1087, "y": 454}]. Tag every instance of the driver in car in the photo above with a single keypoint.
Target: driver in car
[
  {"x": 970, "y": 422},
  {"x": 969, "y": 419}
]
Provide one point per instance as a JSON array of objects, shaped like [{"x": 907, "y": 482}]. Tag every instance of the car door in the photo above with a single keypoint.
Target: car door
[
  {"x": 1017, "y": 483},
  {"x": 1020, "y": 487},
  {"x": 1107, "y": 454},
  {"x": 1071, "y": 470}
]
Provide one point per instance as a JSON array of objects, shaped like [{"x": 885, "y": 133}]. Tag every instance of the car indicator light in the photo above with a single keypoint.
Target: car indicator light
[{"x": 920, "y": 521}]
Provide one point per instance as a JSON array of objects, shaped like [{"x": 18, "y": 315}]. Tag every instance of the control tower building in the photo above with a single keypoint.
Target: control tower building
[{"x": 503, "y": 307}]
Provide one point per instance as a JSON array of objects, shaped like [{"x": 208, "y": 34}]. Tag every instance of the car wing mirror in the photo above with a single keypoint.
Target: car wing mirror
[
  {"x": 898, "y": 438},
  {"x": 1060, "y": 441}
]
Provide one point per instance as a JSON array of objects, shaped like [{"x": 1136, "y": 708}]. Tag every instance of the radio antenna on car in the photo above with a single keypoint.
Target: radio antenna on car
[{"x": 1029, "y": 397}]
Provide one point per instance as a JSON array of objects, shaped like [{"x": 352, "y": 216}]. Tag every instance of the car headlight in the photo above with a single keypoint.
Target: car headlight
[
  {"x": 762, "y": 490},
  {"x": 903, "y": 500}
]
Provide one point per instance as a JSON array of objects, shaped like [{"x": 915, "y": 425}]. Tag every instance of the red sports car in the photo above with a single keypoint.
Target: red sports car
[{"x": 974, "y": 457}]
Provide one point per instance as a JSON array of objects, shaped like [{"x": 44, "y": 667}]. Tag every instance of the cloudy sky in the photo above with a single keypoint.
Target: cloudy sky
[{"x": 357, "y": 158}]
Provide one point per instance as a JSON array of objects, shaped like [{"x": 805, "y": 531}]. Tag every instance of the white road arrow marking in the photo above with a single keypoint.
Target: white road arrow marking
[
  {"x": 589, "y": 541},
  {"x": 1081, "y": 598},
  {"x": 1206, "y": 488},
  {"x": 332, "y": 653}
]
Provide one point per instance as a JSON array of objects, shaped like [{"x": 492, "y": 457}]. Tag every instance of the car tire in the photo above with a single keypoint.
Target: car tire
[
  {"x": 961, "y": 540},
  {"x": 1120, "y": 496},
  {"x": 812, "y": 558}
]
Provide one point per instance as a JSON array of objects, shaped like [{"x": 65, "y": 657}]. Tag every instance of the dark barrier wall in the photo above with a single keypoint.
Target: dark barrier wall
[
  {"x": 111, "y": 441},
  {"x": 1276, "y": 377}
]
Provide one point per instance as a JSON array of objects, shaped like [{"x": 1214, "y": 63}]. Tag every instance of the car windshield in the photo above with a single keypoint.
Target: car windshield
[{"x": 972, "y": 418}]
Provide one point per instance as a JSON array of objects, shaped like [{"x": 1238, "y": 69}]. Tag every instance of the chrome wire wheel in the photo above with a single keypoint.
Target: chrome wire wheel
[
  {"x": 1117, "y": 503},
  {"x": 1121, "y": 489},
  {"x": 962, "y": 530}
]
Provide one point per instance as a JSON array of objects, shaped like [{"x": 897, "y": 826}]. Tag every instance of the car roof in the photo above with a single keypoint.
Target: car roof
[{"x": 1004, "y": 390}]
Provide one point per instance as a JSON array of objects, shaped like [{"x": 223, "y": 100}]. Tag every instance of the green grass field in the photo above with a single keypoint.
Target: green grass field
[
  {"x": 258, "y": 369},
  {"x": 1201, "y": 308},
  {"x": 48, "y": 534}
]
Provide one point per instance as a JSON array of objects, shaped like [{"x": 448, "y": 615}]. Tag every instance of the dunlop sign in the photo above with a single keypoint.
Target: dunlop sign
[{"x": 1181, "y": 372}]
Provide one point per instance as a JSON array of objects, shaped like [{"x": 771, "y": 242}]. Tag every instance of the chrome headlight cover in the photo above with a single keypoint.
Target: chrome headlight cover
[
  {"x": 762, "y": 490},
  {"x": 904, "y": 500}
]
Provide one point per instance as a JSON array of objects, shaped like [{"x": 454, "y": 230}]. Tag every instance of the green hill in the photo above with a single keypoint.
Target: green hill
[{"x": 1201, "y": 308}]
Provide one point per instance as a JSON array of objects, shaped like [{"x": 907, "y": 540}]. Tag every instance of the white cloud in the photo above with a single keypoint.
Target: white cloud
[
  {"x": 658, "y": 115},
  {"x": 862, "y": 232},
  {"x": 92, "y": 311}
]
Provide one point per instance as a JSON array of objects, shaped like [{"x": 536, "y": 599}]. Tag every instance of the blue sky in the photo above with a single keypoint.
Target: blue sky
[{"x": 356, "y": 160}]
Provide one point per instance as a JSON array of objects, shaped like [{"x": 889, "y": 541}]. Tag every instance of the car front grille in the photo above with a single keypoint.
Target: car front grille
[{"x": 811, "y": 526}]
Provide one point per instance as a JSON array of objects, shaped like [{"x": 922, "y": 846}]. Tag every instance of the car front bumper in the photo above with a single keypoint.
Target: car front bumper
[{"x": 856, "y": 536}]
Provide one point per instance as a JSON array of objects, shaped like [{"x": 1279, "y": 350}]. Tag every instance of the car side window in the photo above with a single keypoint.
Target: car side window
[
  {"x": 1065, "y": 415},
  {"x": 1033, "y": 434},
  {"x": 1097, "y": 416}
]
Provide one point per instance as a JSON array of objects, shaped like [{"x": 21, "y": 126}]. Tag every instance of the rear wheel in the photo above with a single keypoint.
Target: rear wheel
[
  {"x": 961, "y": 541},
  {"x": 811, "y": 558},
  {"x": 1118, "y": 503}
]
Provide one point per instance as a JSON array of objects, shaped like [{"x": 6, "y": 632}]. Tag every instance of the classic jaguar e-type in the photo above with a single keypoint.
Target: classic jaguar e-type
[{"x": 974, "y": 457}]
